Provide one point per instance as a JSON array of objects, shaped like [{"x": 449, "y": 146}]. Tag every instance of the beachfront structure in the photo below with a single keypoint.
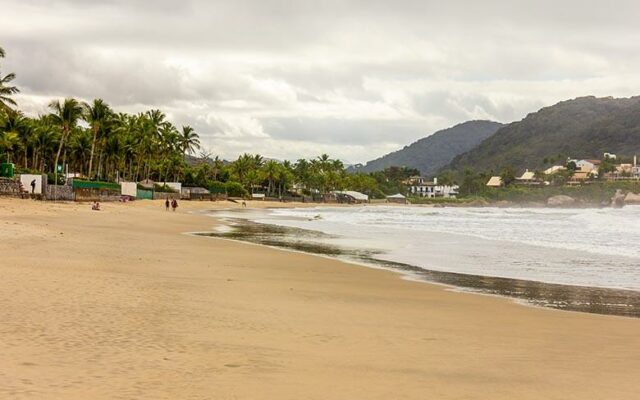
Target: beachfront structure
[
  {"x": 495, "y": 181},
  {"x": 610, "y": 156},
  {"x": 425, "y": 188},
  {"x": 397, "y": 198},
  {"x": 350, "y": 196}
]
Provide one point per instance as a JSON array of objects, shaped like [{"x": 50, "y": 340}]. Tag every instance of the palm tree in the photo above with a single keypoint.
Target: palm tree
[
  {"x": 96, "y": 114},
  {"x": 66, "y": 115},
  {"x": 80, "y": 146},
  {"x": 189, "y": 140},
  {"x": 271, "y": 171},
  {"x": 5, "y": 90},
  {"x": 12, "y": 129}
]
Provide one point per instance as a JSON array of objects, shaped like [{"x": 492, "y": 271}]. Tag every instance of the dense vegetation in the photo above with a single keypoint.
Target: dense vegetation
[
  {"x": 581, "y": 128},
  {"x": 431, "y": 153},
  {"x": 95, "y": 141}
]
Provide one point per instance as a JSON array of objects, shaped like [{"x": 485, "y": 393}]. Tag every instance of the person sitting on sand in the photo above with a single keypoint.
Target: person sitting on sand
[
  {"x": 166, "y": 204},
  {"x": 174, "y": 204},
  {"x": 95, "y": 206}
]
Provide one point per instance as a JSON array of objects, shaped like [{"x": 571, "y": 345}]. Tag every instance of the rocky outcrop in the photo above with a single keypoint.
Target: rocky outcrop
[
  {"x": 561, "y": 201},
  {"x": 632, "y": 198},
  {"x": 618, "y": 199}
]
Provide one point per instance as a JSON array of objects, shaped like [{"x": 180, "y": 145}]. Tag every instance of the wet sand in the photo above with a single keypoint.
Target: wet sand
[
  {"x": 588, "y": 299},
  {"x": 119, "y": 304}
]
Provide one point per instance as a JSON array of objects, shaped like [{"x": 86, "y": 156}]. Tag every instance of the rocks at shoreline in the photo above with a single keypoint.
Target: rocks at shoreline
[
  {"x": 561, "y": 200},
  {"x": 618, "y": 199},
  {"x": 632, "y": 198}
]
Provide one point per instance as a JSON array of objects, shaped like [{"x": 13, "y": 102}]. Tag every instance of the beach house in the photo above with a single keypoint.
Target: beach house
[
  {"x": 423, "y": 187},
  {"x": 495, "y": 181},
  {"x": 397, "y": 198},
  {"x": 528, "y": 178}
]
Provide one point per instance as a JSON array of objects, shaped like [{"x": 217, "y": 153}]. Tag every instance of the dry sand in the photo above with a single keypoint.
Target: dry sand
[{"x": 119, "y": 304}]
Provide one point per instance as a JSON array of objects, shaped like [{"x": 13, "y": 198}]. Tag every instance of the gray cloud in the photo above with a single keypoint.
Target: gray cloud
[{"x": 352, "y": 78}]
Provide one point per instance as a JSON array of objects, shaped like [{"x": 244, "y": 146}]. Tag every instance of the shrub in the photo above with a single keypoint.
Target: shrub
[
  {"x": 235, "y": 189},
  {"x": 164, "y": 188},
  {"x": 217, "y": 187}
]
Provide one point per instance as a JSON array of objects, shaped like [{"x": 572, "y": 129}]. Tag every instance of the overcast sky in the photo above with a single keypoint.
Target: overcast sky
[{"x": 291, "y": 79}]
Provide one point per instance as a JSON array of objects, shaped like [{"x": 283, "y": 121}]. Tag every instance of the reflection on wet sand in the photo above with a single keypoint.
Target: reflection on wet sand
[{"x": 562, "y": 297}]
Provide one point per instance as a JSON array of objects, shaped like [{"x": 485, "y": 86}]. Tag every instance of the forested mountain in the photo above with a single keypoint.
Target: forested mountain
[
  {"x": 431, "y": 153},
  {"x": 585, "y": 127}
]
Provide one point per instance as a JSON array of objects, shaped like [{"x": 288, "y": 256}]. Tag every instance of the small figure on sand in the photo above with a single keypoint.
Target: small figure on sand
[
  {"x": 33, "y": 186},
  {"x": 174, "y": 204},
  {"x": 166, "y": 204},
  {"x": 95, "y": 206},
  {"x": 244, "y": 204}
]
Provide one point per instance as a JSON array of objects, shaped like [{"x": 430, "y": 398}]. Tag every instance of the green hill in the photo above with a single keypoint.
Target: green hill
[
  {"x": 585, "y": 127},
  {"x": 431, "y": 153}
]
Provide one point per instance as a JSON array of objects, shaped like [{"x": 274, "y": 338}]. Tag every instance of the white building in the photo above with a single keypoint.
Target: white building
[
  {"x": 424, "y": 188},
  {"x": 554, "y": 169},
  {"x": 588, "y": 166}
]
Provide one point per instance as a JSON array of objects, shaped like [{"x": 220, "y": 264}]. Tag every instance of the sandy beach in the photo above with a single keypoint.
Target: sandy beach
[{"x": 121, "y": 304}]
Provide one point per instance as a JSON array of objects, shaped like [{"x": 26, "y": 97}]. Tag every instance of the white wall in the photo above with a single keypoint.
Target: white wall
[
  {"x": 129, "y": 189},
  {"x": 26, "y": 182}
]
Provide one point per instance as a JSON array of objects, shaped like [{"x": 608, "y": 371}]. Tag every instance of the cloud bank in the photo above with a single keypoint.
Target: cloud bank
[{"x": 355, "y": 79}]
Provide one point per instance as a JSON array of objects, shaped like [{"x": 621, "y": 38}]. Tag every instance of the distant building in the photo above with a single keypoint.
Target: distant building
[
  {"x": 350, "y": 196},
  {"x": 554, "y": 170},
  {"x": 528, "y": 178},
  {"x": 397, "y": 198},
  {"x": 495, "y": 181},
  {"x": 588, "y": 166},
  {"x": 424, "y": 188},
  {"x": 580, "y": 176},
  {"x": 610, "y": 156}
]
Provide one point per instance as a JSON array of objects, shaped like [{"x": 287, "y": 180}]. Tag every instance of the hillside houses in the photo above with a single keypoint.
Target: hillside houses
[{"x": 581, "y": 171}]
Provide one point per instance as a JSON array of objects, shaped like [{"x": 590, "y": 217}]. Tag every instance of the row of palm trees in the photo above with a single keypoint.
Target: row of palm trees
[
  {"x": 319, "y": 175},
  {"x": 93, "y": 140}
]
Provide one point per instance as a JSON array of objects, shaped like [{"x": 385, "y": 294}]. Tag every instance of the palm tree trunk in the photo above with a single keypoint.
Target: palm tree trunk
[
  {"x": 55, "y": 166},
  {"x": 99, "y": 172},
  {"x": 93, "y": 147}
]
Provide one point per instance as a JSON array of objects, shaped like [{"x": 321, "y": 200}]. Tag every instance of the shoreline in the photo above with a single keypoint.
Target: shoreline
[
  {"x": 548, "y": 295},
  {"x": 119, "y": 303}
]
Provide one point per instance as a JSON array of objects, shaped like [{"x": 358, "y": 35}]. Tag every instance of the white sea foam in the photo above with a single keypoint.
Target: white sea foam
[{"x": 591, "y": 247}]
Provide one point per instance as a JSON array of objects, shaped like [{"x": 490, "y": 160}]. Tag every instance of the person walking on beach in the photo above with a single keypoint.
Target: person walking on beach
[
  {"x": 174, "y": 204},
  {"x": 166, "y": 204},
  {"x": 33, "y": 186}
]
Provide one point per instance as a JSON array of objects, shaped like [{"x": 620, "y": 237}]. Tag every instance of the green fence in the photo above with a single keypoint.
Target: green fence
[
  {"x": 77, "y": 184},
  {"x": 142, "y": 194},
  {"x": 6, "y": 170}
]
